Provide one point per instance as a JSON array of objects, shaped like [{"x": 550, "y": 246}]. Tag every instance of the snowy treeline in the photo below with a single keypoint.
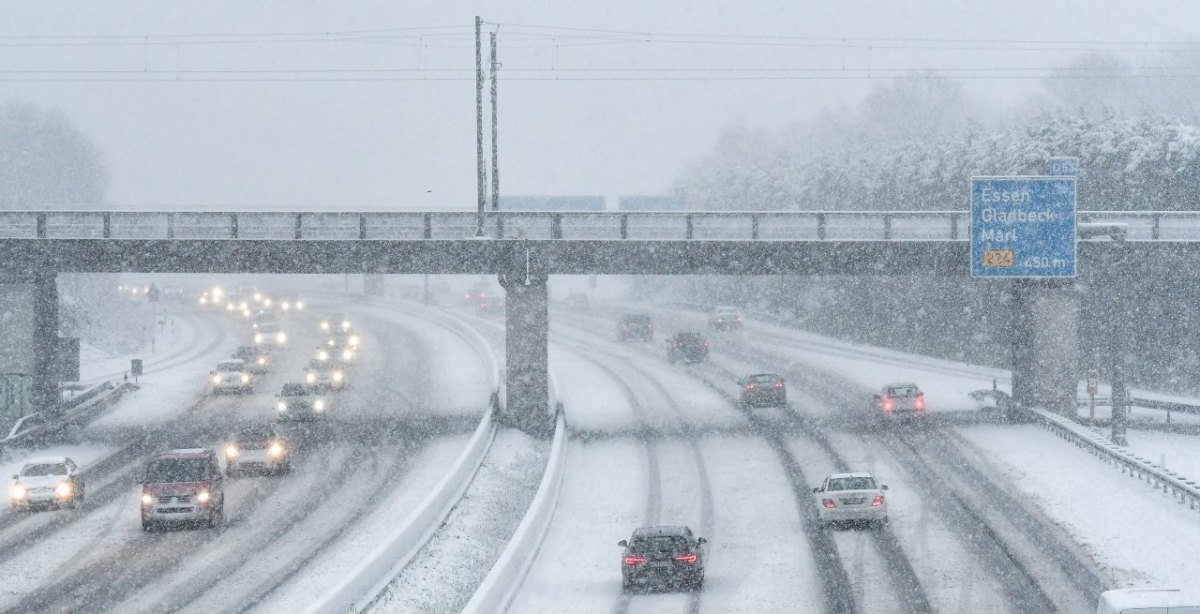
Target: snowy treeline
[
  {"x": 911, "y": 145},
  {"x": 1145, "y": 163},
  {"x": 46, "y": 162}
]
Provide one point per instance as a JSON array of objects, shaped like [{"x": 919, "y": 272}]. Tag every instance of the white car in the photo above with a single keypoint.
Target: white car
[
  {"x": 852, "y": 497},
  {"x": 326, "y": 375},
  {"x": 47, "y": 482},
  {"x": 231, "y": 376},
  {"x": 257, "y": 447}
]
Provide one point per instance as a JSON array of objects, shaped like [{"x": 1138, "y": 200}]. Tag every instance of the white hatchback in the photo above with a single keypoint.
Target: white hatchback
[{"x": 852, "y": 497}]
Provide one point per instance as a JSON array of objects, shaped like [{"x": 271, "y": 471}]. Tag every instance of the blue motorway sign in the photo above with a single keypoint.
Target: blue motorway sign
[{"x": 1022, "y": 226}]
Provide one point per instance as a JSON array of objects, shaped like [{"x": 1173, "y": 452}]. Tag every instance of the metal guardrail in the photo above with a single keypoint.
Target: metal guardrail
[
  {"x": 698, "y": 225},
  {"x": 78, "y": 410},
  {"x": 1159, "y": 478},
  {"x": 1169, "y": 406}
]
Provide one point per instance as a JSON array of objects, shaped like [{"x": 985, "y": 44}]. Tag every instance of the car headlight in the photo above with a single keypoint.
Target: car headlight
[
  {"x": 299, "y": 305},
  {"x": 147, "y": 499},
  {"x": 276, "y": 449},
  {"x": 266, "y": 302},
  {"x": 229, "y": 307},
  {"x": 322, "y": 355},
  {"x": 337, "y": 376},
  {"x": 285, "y": 305},
  {"x": 231, "y": 451},
  {"x": 354, "y": 340},
  {"x": 63, "y": 489},
  {"x": 319, "y": 404},
  {"x": 281, "y": 337},
  {"x": 345, "y": 324},
  {"x": 245, "y": 379},
  {"x": 216, "y": 379},
  {"x": 347, "y": 355},
  {"x": 262, "y": 361},
  {"x": 324, "y": 325},
  {"x": 281, "y": 406},
  {"x": 258, "y": 337},
  {"x": 202, "y": 496},
  {"x": 204, "y": 300},
  {"x": 18, "y": 492},
  {"x": 310, "y": 378}
]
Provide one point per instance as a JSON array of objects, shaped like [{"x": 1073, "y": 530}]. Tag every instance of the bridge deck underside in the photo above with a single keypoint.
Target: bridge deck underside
[{"x": 24, "y": 257}]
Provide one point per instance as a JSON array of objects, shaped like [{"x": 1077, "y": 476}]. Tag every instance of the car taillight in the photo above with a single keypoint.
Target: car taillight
[
  {"x": 828, "y": 503},
  {"x": 887, "y": 404},
  {"x": 705, "y": 344},
  {"x": 878, "y": 501},
  {"x": 634, "y": 560},
  {"x": 749, "y": 386},
  {"x": 920, "y": 402},
  {"x": 687, "y": 558},
  {"x": 779, "y": 384}
]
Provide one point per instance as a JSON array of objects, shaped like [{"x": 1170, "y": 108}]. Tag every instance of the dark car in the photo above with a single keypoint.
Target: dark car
[
  {"x": 182, "y": 486},
  {"x": 635, "y": 326},
  {"x": 763, "y": 390},
  {"x": 899, "y": 400},
  {"x": 257, "y": 447},
  {"x": 662, "y": 557},
  {"x": 300, "y": 402},
  {"x": 257, "y": 361},
  {"x": 687, "y": 347}
]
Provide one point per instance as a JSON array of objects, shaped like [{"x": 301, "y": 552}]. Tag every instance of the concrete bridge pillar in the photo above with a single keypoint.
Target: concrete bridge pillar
[
  {"x": 45, "y": 342},
  {"x": 29, "y": 320},
  {"x": 1045, "y": 344},
  {"x": 527, "y": 335}
]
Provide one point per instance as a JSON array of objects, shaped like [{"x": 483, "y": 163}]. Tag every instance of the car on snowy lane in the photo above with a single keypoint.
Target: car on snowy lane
[
  {"x": 687, "y": 347},
  {"x": 231, "y": 376},
  {"x": 257, "y": 448},
  {"x": 662, "y": 557},
  {"x": 899, "y": 400},
  {"x": 845, "y": 498},
  {"x": 47, "y": 483},
  {"x": 182, "y": 486},
  {"x": 763, "y": 390},
  {"x": 300, "y": 402}
]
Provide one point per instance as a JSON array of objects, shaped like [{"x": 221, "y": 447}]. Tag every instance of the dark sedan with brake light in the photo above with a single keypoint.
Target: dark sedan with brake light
[
  {"x": 763, "y": 390},
  {"x": 662, "y": 557}
]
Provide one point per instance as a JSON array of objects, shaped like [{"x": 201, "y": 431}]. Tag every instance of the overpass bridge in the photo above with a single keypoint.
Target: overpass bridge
[{"x": 523, "y": 249}]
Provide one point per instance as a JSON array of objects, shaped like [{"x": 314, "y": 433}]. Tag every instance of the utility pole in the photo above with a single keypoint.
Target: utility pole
[
  {"x": 479, "y": 127},
  {"x": 495, "y": 149}
]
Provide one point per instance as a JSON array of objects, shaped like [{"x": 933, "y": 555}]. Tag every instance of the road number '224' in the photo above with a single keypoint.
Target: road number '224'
[{"x": 999, "y": 258}]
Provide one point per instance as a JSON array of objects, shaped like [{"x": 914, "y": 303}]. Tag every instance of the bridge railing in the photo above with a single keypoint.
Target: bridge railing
[{"x": 698, "y": 225}]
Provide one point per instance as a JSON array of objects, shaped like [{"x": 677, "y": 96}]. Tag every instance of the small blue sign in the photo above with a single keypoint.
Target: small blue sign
[
  {"x": 1064, "y": 167},
  {"x": 1023, "y": 227}
]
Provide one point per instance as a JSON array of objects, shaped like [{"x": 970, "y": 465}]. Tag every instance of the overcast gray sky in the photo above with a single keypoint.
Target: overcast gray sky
[{"x": 200, "y": 104}]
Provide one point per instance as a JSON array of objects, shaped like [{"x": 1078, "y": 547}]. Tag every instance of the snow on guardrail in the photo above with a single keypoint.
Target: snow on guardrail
[
  {"x": 505, "y": 579},
  {"x": 359, "y": 588},
  {"x": 81, "y": 408},
  {"x": 1169, "y": 482}
]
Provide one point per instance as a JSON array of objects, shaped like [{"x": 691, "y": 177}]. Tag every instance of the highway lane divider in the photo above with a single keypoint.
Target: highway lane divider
[
  {"x": 1161, "y": 479},
  {"x": 502, "y": 583},
  {"x": 367, "y": 581}
]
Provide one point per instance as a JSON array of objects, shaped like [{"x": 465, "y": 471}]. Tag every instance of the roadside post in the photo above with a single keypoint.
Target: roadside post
[
  {"x": 1093, "y": 384},
  {"x": 135, "y": 369}
]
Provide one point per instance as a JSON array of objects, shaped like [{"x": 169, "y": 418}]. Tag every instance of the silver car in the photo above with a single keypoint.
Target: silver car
[
  {"x": 47, "y": 482},
  {"x": 852, "y": 498},
  {"x": 231, "y": 375}
]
